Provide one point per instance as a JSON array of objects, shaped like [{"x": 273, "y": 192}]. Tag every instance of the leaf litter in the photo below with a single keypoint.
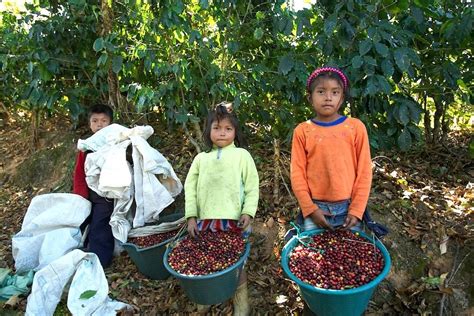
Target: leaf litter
[{"x": 424, "y": 197}]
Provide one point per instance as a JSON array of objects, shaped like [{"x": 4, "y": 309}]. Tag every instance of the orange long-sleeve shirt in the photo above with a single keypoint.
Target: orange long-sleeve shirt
[{"x": 331, "y": 163}]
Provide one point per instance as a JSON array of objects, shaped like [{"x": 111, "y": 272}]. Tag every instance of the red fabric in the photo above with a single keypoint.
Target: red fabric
[
  {"x": 79, "y": 184},
  {"x": 216, "y": 225}
]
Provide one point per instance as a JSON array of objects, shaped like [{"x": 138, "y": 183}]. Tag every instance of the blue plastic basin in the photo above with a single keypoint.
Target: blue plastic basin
[
  {"x": 325, "y": 302},
  {"x": 149, "y": 261},
  {"x": 212, "y": 288}
]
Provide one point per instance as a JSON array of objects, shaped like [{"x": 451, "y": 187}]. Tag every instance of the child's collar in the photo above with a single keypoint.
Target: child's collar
[
  {"x": 335, "y": 122},
  {"x": 231, "y": 145}
]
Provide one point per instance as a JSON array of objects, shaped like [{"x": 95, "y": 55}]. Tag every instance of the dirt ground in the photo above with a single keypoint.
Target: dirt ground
[{"x": 424, "y": 197}]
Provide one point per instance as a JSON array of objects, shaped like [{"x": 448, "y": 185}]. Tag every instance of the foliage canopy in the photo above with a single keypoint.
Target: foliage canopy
[{"x": 409, "y": 62}]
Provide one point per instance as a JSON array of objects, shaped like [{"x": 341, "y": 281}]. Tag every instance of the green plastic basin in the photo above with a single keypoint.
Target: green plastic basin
[
  {"x": 213, "y": 288},
  {"x": 326, "y": 302},
  {"x": 149, "y": 261}
]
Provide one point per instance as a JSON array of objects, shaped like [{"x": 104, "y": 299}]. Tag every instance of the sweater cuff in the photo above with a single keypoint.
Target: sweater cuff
[
  {"x": 190, "y": 214},
  {"x": 357, "y": 214},
  {"x": 308, "y": 211},
  {"x": 252, "y": 215},
  {"x": 83, "y": 193}
]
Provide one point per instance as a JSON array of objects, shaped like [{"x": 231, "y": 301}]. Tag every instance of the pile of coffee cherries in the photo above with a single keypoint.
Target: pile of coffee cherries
[
  {"x": 152, "y": 240},
  {"x": 345, "y": 260},
  {"x": 208, "y": 253}
]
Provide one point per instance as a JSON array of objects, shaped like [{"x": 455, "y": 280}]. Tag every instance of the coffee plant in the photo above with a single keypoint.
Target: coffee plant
[{"x": 408, "y": 61}]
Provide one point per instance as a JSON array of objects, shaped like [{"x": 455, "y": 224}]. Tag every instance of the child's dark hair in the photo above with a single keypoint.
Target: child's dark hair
[
  {"x": 100, "y": 108},
  {"x": 221, "y": 112},
  {"x": 328, "y": 73}
]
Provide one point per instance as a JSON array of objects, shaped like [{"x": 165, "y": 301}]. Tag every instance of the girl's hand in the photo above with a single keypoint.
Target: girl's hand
[
  {"x": 318, "y": 218},
  {"x": 350, "y": 221},
  {"x": 244, "y": 221},
  {"x": 192, "y": 227}
]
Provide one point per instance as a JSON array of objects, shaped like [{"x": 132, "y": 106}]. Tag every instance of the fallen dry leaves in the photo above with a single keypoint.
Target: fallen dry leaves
[{"x": 425, "y": 198}]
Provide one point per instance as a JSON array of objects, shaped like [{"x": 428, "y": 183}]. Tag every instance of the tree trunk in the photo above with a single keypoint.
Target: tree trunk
[
  {"x": 444, "y": 124},
  {"x": 4, "y": 116},
  {"x": 427, "y": 120},
  {"x": 197, "y": 129},
  {"x": 196, "y": 143},
  {"x": 437, "y": 120},
  {"x": 35, "y": 123},
  {"x": 276, "y": 173},
  {"x": 115, "y": 99}
]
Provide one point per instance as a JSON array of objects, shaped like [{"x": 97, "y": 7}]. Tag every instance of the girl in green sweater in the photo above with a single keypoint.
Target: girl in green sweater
[{"x": 222, "y": 186}]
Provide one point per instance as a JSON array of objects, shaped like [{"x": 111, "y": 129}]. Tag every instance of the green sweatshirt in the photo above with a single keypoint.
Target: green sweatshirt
[{"x": 222, "y": 184}]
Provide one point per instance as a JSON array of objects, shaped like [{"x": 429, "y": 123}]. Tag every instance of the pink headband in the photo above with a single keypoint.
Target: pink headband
[{"x": 319, "y": 71}]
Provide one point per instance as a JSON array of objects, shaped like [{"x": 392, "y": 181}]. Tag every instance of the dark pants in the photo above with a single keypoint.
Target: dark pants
[{"x": 100, "y": 239}]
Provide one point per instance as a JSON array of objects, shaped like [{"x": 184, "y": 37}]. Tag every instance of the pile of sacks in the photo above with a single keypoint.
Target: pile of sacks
[{"x": 50, "y": 236}]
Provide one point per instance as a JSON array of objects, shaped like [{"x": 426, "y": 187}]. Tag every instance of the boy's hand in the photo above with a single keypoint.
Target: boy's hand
[
  {"x": 244, "y": 221},
  {"x": 350, "y": 221},
  {"x": 318, "y": 218},
  {"x": 192, "y": 227}
]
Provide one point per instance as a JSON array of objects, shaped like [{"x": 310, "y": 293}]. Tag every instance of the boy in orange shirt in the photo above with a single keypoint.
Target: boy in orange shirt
[{"x": 331, "y": 168}]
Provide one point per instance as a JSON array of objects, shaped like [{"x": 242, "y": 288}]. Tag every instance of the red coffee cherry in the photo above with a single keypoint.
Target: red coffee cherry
[
  {"x": 208, "y": 253},
  {"x": 151, "y": 240},
  {"x": 346, "y": 261}
]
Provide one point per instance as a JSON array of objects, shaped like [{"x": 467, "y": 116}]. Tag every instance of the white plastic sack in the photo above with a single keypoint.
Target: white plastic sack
[
  {"x": 108, "y": 173},
  {"x": 156, "y": 229},
  {"x": 88, "y": 276},
  {"x": 151, "y": 196},
  {"x": 50, "y": 229},
  {"x": 120, "y": 219},
  {"x": 152, "y": 183},
  {"x": 106, "y": 136},
  {"x": 154, "y": 162},
  {"x": 144, "y": 132},
  {"x": 113, "y": 134},
  {"x": 115, "y": 173}
]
